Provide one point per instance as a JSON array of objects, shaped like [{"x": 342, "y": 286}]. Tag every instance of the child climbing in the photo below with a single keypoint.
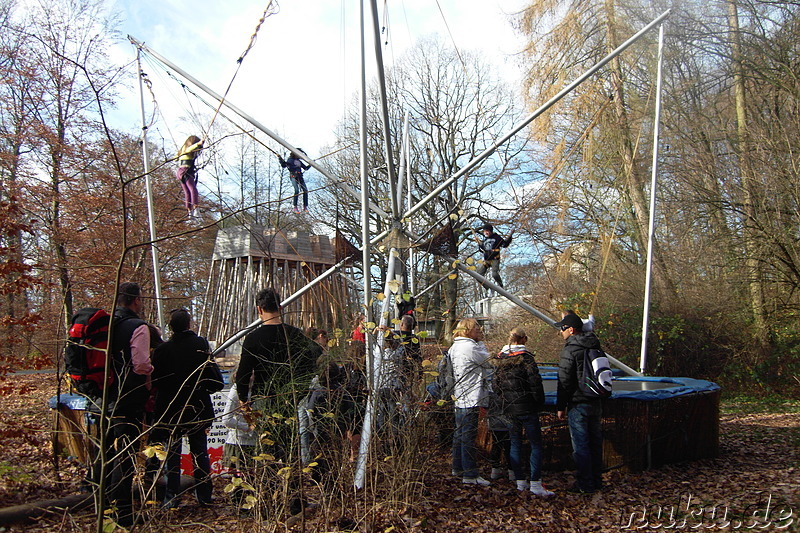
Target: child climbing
[
  {"x": 296, "y": 168},
  {"x": 187, "y": 173},
  {"x": 490, "y": 246}
]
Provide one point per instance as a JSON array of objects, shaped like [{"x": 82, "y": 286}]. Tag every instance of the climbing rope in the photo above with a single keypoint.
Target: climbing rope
[{"x": 271, "y": 9}]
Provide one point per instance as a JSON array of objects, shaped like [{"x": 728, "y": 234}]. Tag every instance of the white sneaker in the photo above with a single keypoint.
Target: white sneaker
[
  {"x": 522, "y": 484},
  {"x": 496, "y": 473},
  {"x": 476, "y": 481},
  {"x": 538, "y": 490}
]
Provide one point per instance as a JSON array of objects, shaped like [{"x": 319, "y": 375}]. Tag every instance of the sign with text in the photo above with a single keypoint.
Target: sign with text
[{"x": 216, "y": 438}]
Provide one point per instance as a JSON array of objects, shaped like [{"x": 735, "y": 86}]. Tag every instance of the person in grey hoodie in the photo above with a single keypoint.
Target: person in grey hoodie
[
  {"x": 518, "y": 395},
  {"x": 469, "y": 358}
]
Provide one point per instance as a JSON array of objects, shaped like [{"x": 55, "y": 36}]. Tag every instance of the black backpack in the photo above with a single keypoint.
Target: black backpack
[
  {"x": 85, "y": 353},
  {"x": 596, "y": 381},
  {"x": 441, "y": 388}
]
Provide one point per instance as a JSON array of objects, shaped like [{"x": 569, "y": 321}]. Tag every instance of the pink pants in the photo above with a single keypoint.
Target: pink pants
[{"x": 188, "y": 177}]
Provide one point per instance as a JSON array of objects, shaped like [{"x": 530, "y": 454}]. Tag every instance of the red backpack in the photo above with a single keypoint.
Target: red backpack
[{"x": 85, "y": 353}]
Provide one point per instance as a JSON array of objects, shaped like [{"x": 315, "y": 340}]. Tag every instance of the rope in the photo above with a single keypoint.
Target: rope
[
  {"x": 249, "y": 133},
  {"x": 268, "y": 12},
  {"x": 455, "y": 47},
  {"x": 607, "y": 251},
  {"x": 337, "y": 150}
]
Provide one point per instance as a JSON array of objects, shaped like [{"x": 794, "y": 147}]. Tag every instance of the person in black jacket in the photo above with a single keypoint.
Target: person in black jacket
[
  {"x": 183, "y": 405},
  {"x": 518, "y": 395},
  {"x": 279, "y": 359},
  {"x": 296, "y": 167},
  {"x": 490, "y": 246},
  {"x": 583, "y": 413}
]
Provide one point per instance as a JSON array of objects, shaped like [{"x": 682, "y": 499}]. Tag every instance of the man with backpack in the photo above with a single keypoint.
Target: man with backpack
[
  {"x": 130, "y": 358},
  {"x": 581, "y": 407}
]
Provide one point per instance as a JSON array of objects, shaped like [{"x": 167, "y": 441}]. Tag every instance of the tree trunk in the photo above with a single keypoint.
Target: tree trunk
[
  {"x": 752, "y": 261},
  {"x": 58, "y": 245},
  {"x": 633, "y": 174}
]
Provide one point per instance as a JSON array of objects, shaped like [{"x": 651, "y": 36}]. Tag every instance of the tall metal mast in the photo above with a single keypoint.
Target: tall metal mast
[
  {"x": 149, "y": 190},
  {"x": 652, "y": 224}
]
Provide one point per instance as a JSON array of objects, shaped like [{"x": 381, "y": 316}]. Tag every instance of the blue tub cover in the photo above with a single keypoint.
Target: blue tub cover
[
  {"x": 73, "y": 401},
  {"x": 649, "y": 389}
]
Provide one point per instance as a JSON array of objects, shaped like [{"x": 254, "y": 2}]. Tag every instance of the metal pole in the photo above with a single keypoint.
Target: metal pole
[
  {"x": 370, "y": 415},
  {"x": 566, "y": 90},
  {"x": 433, "y": 285},
  {"x": 361, "y": 465},
  {"x": 404, "y": 161},
  {"x": 391, "y": 268},
  {"x": 252, "y": 121},
  {"x": 149, "y": 191},
  {"x": 500, "y": 290},
  {"x": 513, "y": 299},
  {"x": 412, "y": 254},
  {"x": 652, "y": 225},
  {"x": 387, "y": 134}
]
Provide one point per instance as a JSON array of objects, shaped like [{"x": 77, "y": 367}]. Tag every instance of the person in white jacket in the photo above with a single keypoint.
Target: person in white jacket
[
  {"x": 241, "y": 439},
  {"x": 471, "y": 370}
]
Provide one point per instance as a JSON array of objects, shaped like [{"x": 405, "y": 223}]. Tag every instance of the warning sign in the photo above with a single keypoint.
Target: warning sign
[{"x": 216, "y": 437}]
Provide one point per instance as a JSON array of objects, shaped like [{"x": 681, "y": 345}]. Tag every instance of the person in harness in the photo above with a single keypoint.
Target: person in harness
[
  {"x": 296, "y": 167},
  {"x": 490, "y": 246},
  {"x": 187, "y": 173}
]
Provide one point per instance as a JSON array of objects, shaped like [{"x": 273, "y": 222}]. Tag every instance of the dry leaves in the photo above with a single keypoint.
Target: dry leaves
[{"x": 759, "y": 462}]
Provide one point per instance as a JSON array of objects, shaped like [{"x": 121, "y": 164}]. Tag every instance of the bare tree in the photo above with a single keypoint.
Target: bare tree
[{"x": 457, "y": 108}]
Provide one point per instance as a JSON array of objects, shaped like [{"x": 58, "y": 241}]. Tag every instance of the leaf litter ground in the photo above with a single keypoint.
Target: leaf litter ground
[{"x": 753, "y": 485}]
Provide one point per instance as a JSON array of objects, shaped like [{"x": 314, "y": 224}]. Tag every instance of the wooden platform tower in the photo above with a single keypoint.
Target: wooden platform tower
[{"x": 250, "y": 258}]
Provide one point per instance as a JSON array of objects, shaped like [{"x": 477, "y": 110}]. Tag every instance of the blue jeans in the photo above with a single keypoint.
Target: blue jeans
[
  {"x": 299, "y": 183},
  {"x": 465, "y": 451},
  {"x": 587, "y": 443},
  {"x": 530, "y": 423}
]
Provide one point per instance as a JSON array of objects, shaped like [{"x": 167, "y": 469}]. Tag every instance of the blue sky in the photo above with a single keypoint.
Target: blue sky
[{"x": 304, "y": 67}]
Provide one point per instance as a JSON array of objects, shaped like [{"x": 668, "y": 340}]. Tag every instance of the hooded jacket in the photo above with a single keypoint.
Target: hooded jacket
[
  {"x": 470, "y": 372},
  {"x": 517, "y": 384},
  {"x": 490, "y": 246},
  {"x": 295, "y": 166},
  {"x": 570, "y": 370}
]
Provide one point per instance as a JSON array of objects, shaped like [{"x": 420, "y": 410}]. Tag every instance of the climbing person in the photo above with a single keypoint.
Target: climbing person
[
  {"x": 490, "y": 246},
  {"x": 187, "y": 173},
  {"x": 296, "y": 168}
]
